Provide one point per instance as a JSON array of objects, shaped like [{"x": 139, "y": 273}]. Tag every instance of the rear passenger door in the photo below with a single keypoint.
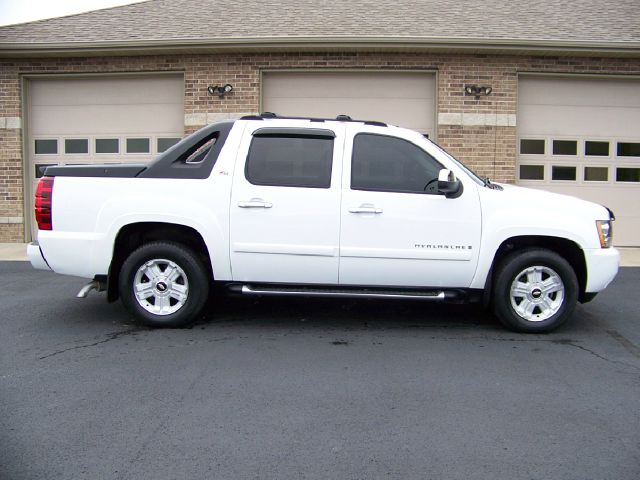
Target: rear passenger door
[{"x": 285, "y": 203}]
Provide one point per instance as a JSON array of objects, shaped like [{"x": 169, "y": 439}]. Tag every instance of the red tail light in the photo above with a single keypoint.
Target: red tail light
[{"x": 44, "y": 193}]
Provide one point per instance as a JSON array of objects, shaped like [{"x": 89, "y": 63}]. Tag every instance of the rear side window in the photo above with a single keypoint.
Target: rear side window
[
  {"x": 287, "y": 160},
  {"x": 198, "y": 153},
  {"x": 391, "y": 164}
]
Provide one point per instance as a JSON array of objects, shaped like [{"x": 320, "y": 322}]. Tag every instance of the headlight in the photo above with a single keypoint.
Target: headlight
[{"x": 605, "y": 232}]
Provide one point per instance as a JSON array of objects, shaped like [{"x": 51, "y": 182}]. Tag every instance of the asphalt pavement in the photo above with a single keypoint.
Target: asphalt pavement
[{"x": 313, "y": 389}]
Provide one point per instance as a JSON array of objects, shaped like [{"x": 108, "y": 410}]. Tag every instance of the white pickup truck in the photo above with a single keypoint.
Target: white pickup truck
[{"x": 269, "y": 205}]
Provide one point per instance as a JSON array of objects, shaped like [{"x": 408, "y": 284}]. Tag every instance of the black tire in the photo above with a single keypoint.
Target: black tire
[
  {"x": 557, "y": 307},
  {"x": 193, "y": 280}
]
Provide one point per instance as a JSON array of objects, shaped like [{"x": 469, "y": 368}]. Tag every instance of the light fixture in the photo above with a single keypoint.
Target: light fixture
[
  {"x": 221, "y": 91},
  {"x": 477, "y": 91}
]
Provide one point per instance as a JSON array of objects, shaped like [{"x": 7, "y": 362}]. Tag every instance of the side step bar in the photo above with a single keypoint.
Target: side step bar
[{"x": 272, "y": 291}]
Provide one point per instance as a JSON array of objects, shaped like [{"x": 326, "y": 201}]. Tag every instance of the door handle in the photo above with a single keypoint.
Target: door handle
[
  {"x": 365, "y": 208},
  {"x": 255, "y": 203}
]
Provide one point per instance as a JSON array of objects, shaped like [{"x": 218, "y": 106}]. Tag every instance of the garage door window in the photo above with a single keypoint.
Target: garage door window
[
  {"x": 565, "y": 147},
  {"x": 76, "y": 146},
  {"x": 390, "y": 164},
  {"x": 531, "y": 147},
  {"x": 531, "y": 172},
  {"x": 137, "y": 145},
  {"x": 107, "y": 145},
  {"x": 290, "y": 161},
  {"x": 563, "y": 173},
  {"x": 596, "y": 174},
  {"x": 595, "y": 148},
  {"x": 628, "y": 175},
  {"x": 628, "y": 149},
  {"x": 46, "y": 147},
  {"x": 163, "y": 144}
]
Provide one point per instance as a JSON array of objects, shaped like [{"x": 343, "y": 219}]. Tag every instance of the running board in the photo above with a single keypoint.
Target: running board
[{"x": 316, "y": 292}]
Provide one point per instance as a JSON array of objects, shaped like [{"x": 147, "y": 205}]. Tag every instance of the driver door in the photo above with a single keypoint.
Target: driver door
[{"x": 396, "y": 230}]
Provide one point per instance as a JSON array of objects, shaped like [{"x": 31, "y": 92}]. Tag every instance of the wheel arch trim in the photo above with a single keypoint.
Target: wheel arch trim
[
  {"x": 150, "y": 231},
  {"x": 559, "y": 245}
]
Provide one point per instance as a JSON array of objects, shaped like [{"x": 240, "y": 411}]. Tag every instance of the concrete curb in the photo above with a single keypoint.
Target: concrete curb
[
  {"x": 629, "y": 256},
  {"x": 17, "y": 252},
  {"x": 13, "y": 252}
]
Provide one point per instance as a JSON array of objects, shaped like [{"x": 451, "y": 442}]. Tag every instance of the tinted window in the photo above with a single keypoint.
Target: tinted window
[
  {"x": 596, "y": 148},
  {"x": 290, "y": 161},
  {"x": 627, "y": 174},
  {"x": 107, "y": 145},
  {"x": 137, "y": 145},
  {"x": 199, "y": 152},
  {"x": 565, "y": 147},
  {"x": 390, "y": 164},
  {"x": 46, "y": 147},
  {"x": 165, "y": 143},
  {"x": 628, "y": 149},
  {"x": 596, "y": 174},
  {"x": 531, "y": 172},
  {"x": 76, "y": 145},
  {"x": 531, "y": 147},
  {"x": 563, "y": 173}
]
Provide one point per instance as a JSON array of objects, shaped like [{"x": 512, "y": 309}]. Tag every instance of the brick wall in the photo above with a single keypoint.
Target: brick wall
[{"x": 482, "y": 133}]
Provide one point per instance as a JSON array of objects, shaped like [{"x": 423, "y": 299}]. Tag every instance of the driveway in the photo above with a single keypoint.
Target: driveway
[{"x": 292, "y": 388}]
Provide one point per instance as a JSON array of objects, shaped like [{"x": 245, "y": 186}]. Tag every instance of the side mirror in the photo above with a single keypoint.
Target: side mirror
[{"x": 448, "y": 184}]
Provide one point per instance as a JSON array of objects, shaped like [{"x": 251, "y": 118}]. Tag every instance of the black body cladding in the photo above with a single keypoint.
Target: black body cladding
[
  {"x": 116, "y": 170},
  {"x": 169, "y": 164}
]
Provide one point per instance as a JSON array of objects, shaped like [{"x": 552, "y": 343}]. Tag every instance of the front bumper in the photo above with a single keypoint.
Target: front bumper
[
  {"x": 602, "y": 268},
  {"x": 34, "y": 253}
]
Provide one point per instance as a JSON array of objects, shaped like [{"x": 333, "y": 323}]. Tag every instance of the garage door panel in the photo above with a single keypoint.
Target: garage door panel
[
  {"x": 602, "y": 195},
  {"x": 349, "y": 85},
  {"x": 584, "y": 109},
  {"x": 584, "y": 92},
  {"x": 83, "y": 119},
  {"x": 391, "y": 111},
  {"x": 399, "y": 98},
  {"x": 107, "y": 91},
  {"x": 579, "y": 120},
  {"x": 627, "y": 224}
]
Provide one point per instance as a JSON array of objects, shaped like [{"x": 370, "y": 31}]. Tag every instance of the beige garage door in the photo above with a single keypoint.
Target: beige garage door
[
  {"x": 398, "y": 98},
  {"x": 102, "y": 119},
  {"x": 580, "y": 136}
]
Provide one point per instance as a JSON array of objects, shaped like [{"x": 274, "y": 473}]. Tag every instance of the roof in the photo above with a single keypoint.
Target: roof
[{"x": 193, "y": 25}]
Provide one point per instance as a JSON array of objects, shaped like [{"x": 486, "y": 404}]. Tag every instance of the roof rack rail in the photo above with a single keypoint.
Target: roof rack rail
[{"x": 339, "y": 118}]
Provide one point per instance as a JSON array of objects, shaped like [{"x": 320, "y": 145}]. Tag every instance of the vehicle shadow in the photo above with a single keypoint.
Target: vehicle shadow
[
  {"x": 346, "y": 314},
  {"x": 295, "y": 313}
]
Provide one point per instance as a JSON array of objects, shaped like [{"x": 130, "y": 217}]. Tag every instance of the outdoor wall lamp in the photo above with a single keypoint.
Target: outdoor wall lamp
[
  {"x": 221, "y": 91},
  {"x": 477, "y": 91}
]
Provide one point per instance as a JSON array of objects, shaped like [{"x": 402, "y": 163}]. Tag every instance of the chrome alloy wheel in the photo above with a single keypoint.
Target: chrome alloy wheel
[
  {"x": 160, "y": 286},
  {"x": 537, "y": 293}
]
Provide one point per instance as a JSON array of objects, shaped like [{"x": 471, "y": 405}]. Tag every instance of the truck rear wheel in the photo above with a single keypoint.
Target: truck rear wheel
[
  {"x": 536, "y": 290},
  {"x": 164, "y": 284}
]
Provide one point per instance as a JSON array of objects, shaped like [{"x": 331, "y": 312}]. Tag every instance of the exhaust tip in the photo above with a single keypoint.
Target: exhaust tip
[{"x": 84, "y": 291}]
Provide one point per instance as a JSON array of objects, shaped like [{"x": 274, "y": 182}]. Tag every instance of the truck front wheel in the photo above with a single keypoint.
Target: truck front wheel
[
  {"x": 164, "y": 284},
  {"x": 535, "y": 290}
]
